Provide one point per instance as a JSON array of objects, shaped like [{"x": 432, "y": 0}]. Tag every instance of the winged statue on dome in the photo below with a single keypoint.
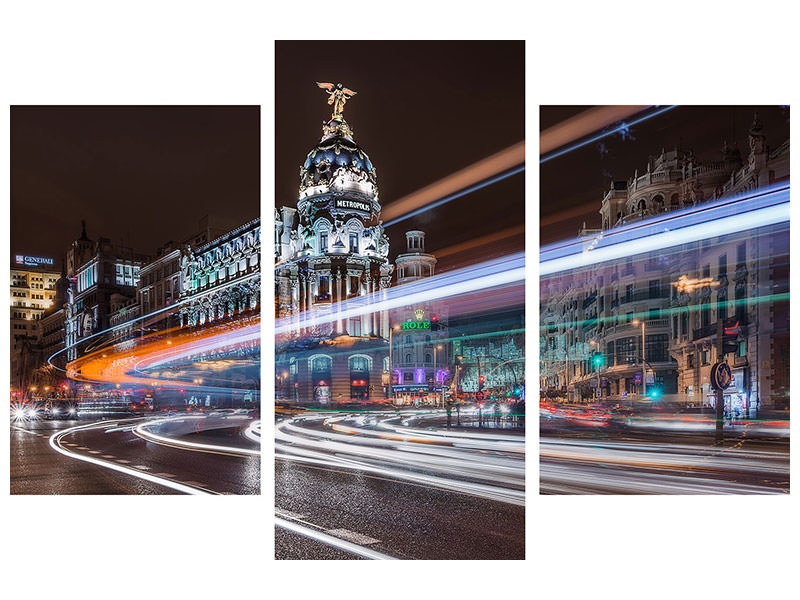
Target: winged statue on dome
[{"x": 338, "y": 95}]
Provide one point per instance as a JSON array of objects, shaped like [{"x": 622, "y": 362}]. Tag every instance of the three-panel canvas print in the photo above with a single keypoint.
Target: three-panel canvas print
[{"x": 395, "y": 300}]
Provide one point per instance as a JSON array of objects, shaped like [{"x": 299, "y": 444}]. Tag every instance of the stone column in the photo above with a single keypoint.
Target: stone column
[
  {"x": 362, "y": 292},
  {"x": 338, "y": 300}
]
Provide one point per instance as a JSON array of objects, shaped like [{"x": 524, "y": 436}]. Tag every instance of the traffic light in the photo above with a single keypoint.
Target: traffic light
[
  {"x": 654, "y": 393},
  {"x": 481, "y": 381},
  {"x": 731, "y": 328},
  {"x": 598, "y": 359}
]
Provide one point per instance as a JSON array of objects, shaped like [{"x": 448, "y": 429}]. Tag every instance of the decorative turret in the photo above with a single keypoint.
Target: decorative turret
[{"x": 414, "y": 263}]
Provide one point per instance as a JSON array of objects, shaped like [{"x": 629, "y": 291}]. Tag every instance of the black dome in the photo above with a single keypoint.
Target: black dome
[{"x": 332, "y": 153}]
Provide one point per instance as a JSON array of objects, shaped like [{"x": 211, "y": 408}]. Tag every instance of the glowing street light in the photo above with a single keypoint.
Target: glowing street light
[
  {"x": 644, "y": 372},
  {"x": 392, "y": 329}
]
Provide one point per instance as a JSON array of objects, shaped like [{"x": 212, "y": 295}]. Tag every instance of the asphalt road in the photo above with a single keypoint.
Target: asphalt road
[
  {"x": 123, "y": 462},
  {"x": 636, "y": 462},
  {"x": 396, "y": 491}
]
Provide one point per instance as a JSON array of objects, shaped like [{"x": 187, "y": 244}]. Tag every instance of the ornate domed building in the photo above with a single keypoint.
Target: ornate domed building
[{"x": 331, "y": 251}]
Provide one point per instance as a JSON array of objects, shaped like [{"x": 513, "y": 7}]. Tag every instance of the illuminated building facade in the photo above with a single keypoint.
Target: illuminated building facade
[
  {"x": 219, "y": 279},
  {"x": 680, "y": 296},
  {"x": 331, "y": 253},
  {"x": 104, "y": 278},
  {"x": 33, "y": 291},
  {"x": 420, "y": 354}
]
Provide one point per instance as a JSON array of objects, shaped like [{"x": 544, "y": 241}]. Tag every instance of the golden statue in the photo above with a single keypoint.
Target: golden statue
[{"x": 337, "y": 96}]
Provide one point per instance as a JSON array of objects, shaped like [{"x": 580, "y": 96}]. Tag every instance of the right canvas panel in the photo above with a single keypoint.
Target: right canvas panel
[{"x": 664, "y": 300}]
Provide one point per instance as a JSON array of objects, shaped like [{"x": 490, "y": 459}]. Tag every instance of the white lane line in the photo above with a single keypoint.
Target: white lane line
[
  {"x": 352, "y": 536},
  {"x": 289, "y": 514},
  {"x": 82, "y": 448},
  {"x": 123, "y": 461},
  {"x": 55, "y": 440},
  {"x": 94, "y": 452},
  {"x": 24, "y": 430},
  {"x": 109, "y": 456},
  {"x": 167, "y": 475},
  {"x": 142, "y": 467},
  {"x": 330, "y": 540}
]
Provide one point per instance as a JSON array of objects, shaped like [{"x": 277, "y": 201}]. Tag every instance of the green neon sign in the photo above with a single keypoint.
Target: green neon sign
[{"x": 417, "y": 325}]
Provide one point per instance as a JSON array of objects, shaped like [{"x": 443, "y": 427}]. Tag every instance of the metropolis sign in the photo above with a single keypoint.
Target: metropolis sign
[
  {"x": 32, "y": 261},
  {"x": 352, "y": 204}
]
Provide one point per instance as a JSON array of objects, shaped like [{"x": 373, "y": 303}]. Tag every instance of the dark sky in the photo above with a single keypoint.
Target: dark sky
[
  {"x": 423, "y": 111},
  {"x": 138, "y": 175},
  {"x": 581, "y": 177}
]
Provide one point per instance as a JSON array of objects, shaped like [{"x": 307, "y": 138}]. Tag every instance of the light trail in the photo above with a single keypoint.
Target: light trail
[
  {"x": 451, "y": 197},
  {"x": 55, "y": 444},
  {"x": 496, "y": 273},
  {"x": 168, "y": 309},
  {"x": 253, "y": 433},
  {"x": 109, "y": 365},
  {"x": 481, "y": 241},
  {"x": 471, "y": 464},
  {"x": 143, "y": 431},
  {"x": 575, "y": 466},
  {"x": 623, "y": 126},
  {"x": 455, "y": 185},
  {"x": 761, "y": 209},
  {"x": 330, "y": 540},
  {"x": 583, "y": 124}
]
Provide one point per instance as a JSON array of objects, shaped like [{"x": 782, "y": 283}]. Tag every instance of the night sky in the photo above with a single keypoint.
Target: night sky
[
  {"x": 572, "y": 185},
  {"x": 139, "y": 175},
  {"x": 423, "y": 111}
]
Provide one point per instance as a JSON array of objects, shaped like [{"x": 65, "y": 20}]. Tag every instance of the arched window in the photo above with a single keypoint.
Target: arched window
[
  {"x": 658, "y": 203},
  {"x": 428, "y": 359},
  {"x": 642, "y": 206},
  {"x": 408, "y": 359},
  {"x": 359, "y": 363},
  {"x": 674, "y": 201}
]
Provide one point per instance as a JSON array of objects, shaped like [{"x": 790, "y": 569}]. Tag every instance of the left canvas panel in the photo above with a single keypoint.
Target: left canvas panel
[{"x": 135, "y": 300}]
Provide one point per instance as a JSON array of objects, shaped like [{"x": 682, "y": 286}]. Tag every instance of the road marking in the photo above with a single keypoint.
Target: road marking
[
  {"x": 289, "y": 514},
  {"x": 142, "y": 467},
  {"x": 82, "y": 448},
  {"x": 352, "y": 536},
  {"x": 169, "y": 475},
  {"x": 331, "y": 540},
  {"x": 123, "y": 461},
  {"x": 23, "y": 429},
  {"x": 94, "y": 452},
  {"x": 109, "y": 456},
  {"x": 55, "y": 444}
]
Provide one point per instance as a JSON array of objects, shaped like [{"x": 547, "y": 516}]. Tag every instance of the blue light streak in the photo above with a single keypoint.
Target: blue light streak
[
  {"x": 464, "y": 192},
  {"x": 623, "y": 127},
  {"x": 725, "y": 217}
]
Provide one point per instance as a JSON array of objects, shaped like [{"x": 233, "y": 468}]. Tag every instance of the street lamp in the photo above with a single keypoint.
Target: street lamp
[
  {"x": 598, "y": 362},
  {"x": 644, "y": 373},
  {"x": 391, "y": 364},
  {"x": 435, "y": 348}
]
